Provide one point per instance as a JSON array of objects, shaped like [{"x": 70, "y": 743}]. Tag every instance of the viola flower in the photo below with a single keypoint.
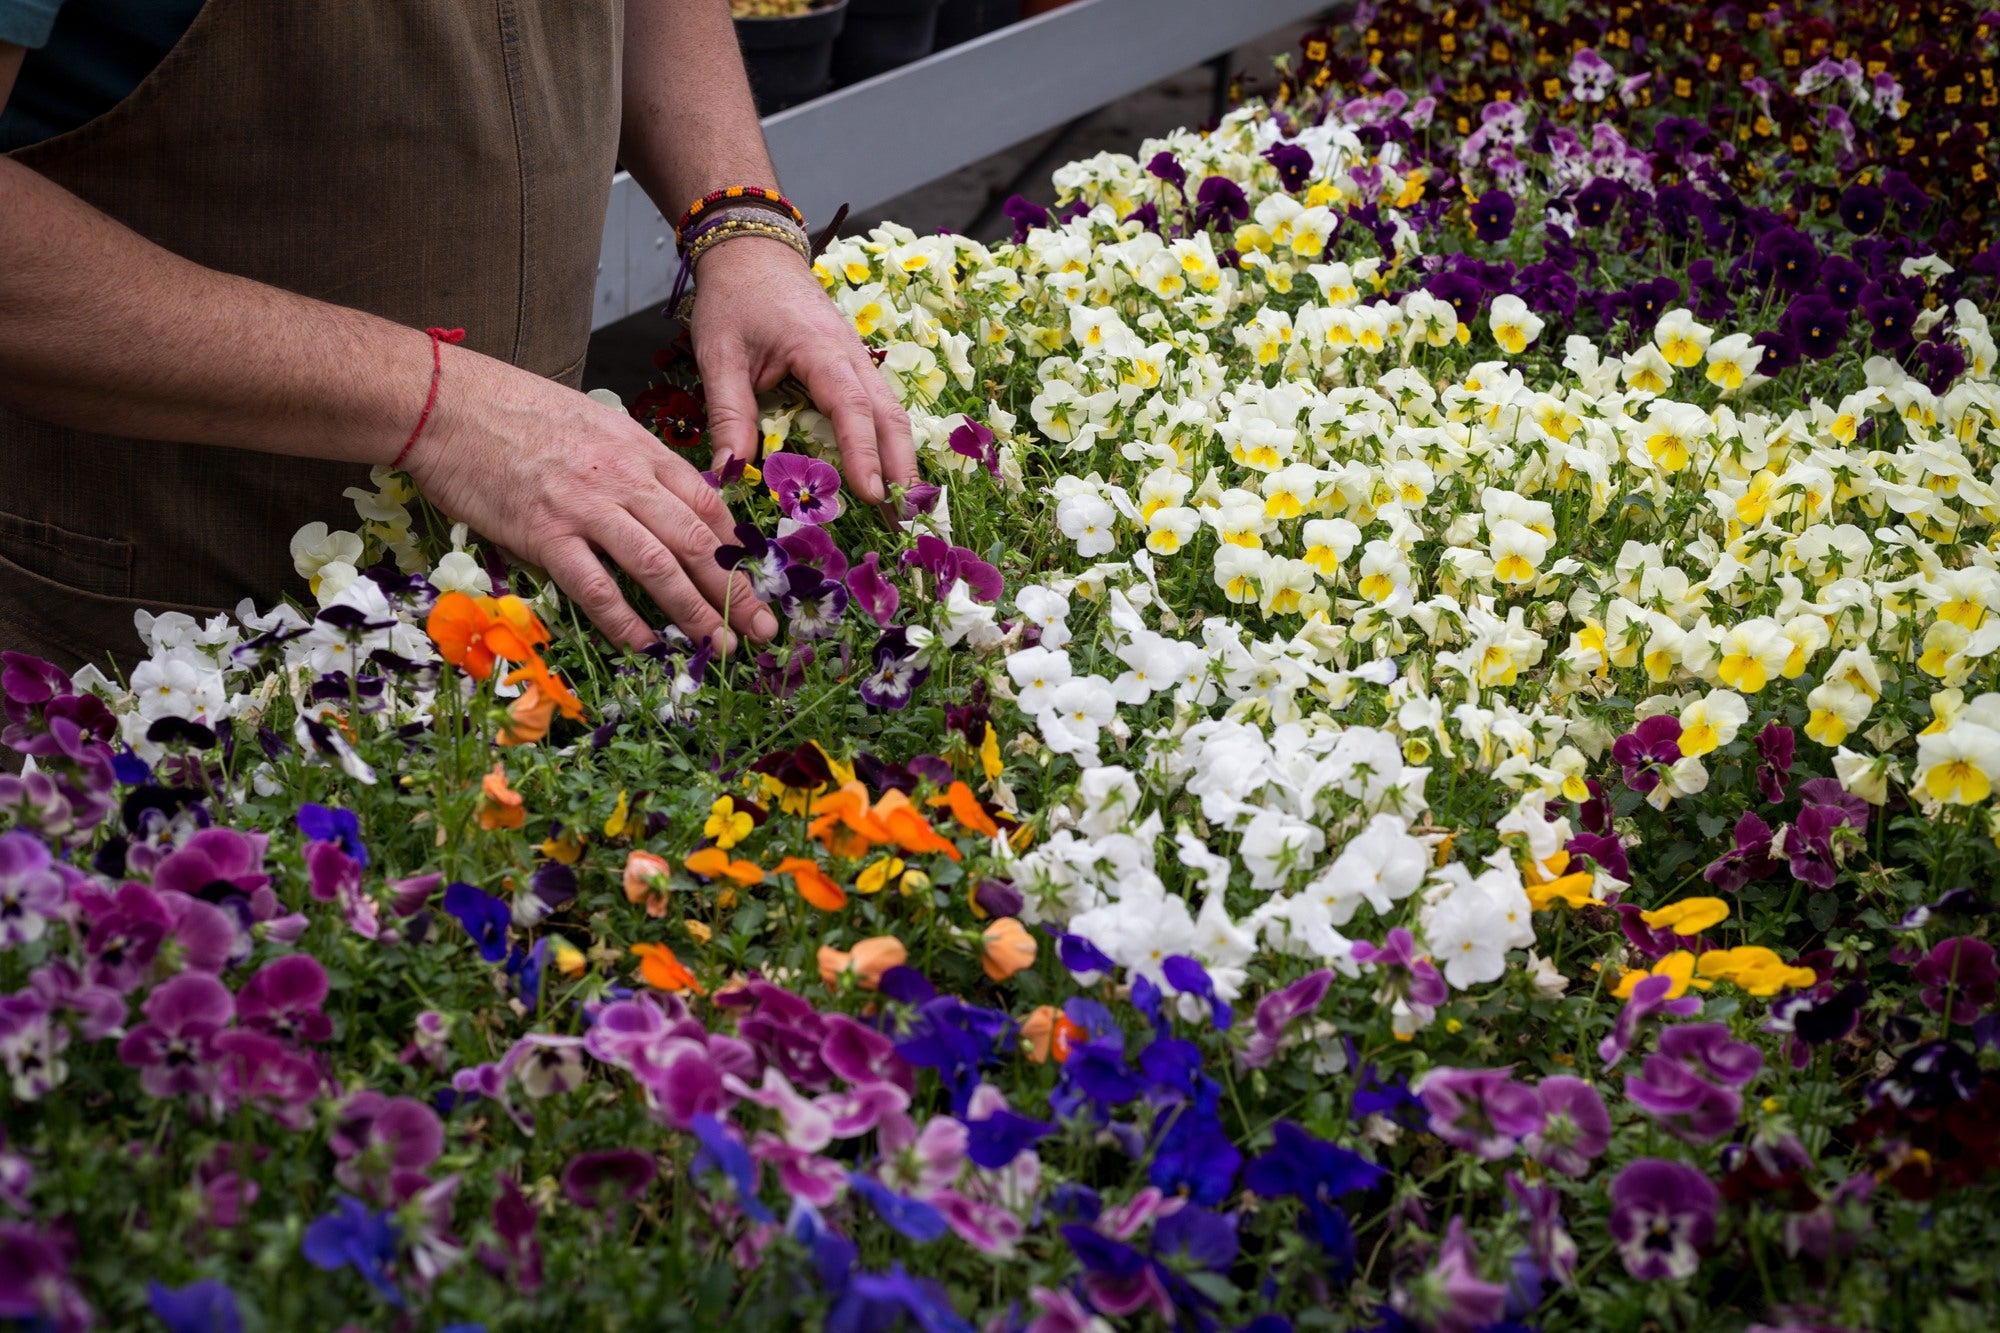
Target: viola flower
[
  {"x": 1650, "y": 995},
  {"x": 472, "y": 633},
  {"x": 813, "y": 603},
  {"x": 1493, "y": 216},
  {"x": 872, "y": 592},
  {"x": 484, "y": 917},
  {"x": 811, "y": 547},
  {"x": 974, "y": 441},
  {"x": 807, "y": 489},
  {"x": 1576, "y": 1129},
  {"x": 721, "y": 1151},
  {"x": 1276, "y": 1013},
  {"x": 1318, "y": 1174},
  {"x": 867, "y": 961},
  {"x": 1749, "y": 858},
  {"x": 1653, "y": 745},
  {"x": 1685, "y": 1104},
  {"x": 899, "y": 671},
  {"x": 353, "y": 1236},
  {"x": 1688, "y": 916},
  {"x": 284, "y": 997},
  {"x": 199, "y": 1307},
  {"x": 1219, "y": 204},
  {"x": 1452, "y": 1296},
  {"x": 763, "y": 562},
  {"x": 1005, "y": 948},
  {"x": 1959, "y": 978},
  {"x": 602, "y": 1181},
  {"x": 499, "y": 804},
  {"x": 1775, "y": 746},
  {"x": 1662, "y": 1217},
  {"x": 814, "y": 884},
  {"x": 32, "y": 892},
  {"x": 659, "y": 969},
  {"x": 175, "y": 1047},
  {"x": 1486, "y": 1112}
]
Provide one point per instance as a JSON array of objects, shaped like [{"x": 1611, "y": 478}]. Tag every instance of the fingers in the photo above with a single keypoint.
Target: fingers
[
  {"x": 838, "y": 390},
  {"x": 583, "y": 577},
  {"x": 732, "y": 402},
  {"x": 692, "y": 489},
  {"x": 658, "y": 569},
  {"x": 692, "y": 545},
  {"x": 896, "y": 447}
]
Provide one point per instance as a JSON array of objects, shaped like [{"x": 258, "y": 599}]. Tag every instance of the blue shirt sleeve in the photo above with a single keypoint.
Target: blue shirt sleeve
[{"x": 28, "y": 22}]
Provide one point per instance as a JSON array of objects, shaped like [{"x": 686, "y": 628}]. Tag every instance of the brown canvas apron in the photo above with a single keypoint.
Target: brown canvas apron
[{"x": 434, "y": 162}]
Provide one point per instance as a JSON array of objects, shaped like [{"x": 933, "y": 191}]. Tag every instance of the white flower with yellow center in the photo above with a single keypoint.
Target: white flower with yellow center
[
  {"x": 1750, "y": 654},
  {"x": 1732, "y": 361},
  {"x": 1712, "y": 721},
  {"x": 1681, "y": 341},
  {"x": 1238, "y": 570},
  {"x": 1958, "y": 765},
  {"x": 1328, "y": 542},
  {"x": 1171, "y": 528},
  {"x": 1517, "y": 551},
  {"x": 1514, "y": 325},
  {"x": 1646, "y": 371},
  {"x": 1291, "y": 490}
]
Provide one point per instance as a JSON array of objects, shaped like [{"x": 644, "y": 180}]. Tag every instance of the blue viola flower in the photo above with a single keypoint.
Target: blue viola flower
[
  {"x": 1194, "y": 1156},
  {"x": 328, "y": 824},
  {"x": 526, "y": 966},
  {"x": 1081, "y": 956},
  {"x": 720, "y": 1151},
  {"x": 199, "y": 1307},
  {"x": 997, "y": 1140},
  {"x": 910, "y": 1217},
  {"x": 484, "y": 917},
  {"x": 353, "y": 1236},
  {"x": 1316, "y": 1173},
  {"x": 881, "y": 1301},
  {"x": 1188, "y": 977},
  {"x": 956, "y": 1039},
  {"x": 833, "y": 1254}
]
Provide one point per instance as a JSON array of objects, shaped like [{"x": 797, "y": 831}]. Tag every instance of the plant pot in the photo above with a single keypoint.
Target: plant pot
[
  {"x": 882, "y": 34},
  {"x": 963, "y": 20},
  {"x": 790, "y": 60}
]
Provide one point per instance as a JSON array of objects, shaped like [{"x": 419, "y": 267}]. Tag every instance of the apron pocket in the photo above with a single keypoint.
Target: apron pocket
[{"x": 99, "y": 566}]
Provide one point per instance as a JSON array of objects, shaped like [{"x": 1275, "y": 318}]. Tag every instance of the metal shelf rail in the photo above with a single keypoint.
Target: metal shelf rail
[{"x": 868, "y": 143}]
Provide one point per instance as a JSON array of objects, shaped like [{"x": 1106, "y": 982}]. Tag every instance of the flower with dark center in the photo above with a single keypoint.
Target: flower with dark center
[
  {"x": 1662, "y": 1216},
  {"x": 1493, "y": 216},
  {"x": 762, "y": 560},
  {"x": 1862, "y": 208}
]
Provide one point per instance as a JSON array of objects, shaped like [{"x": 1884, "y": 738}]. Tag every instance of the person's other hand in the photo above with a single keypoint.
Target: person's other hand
[
  {"x": 760, "y": 315},
  {"x": 557, "y": 478}
]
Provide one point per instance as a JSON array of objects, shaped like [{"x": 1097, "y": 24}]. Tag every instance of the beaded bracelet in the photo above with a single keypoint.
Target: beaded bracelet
[
  {"x": 754, "y": 195},
  {"x": 714, "y": 218},
  {"x": 731, "y": 228}
]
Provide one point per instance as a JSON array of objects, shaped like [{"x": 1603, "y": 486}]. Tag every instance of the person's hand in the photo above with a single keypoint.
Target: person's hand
[
  {"x": 556, "y": 478},
  {"x": 760, "y": 315}
]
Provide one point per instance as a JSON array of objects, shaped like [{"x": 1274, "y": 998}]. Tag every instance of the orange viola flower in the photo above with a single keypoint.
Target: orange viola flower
[
  {"x": 1005, "y": 948},
  {"x": 714, "y": 863},
  {"x": 967, "y": 810},
  {"x": 908, "y": 828},
  {"x": 552, "y": 686},
  {"x": 646, "y": 879},
  {"x": 500, "y": 805},
  {"x": 868, "y": 960},
  {"x": 528, "y": 717},
  {"x": 1038, "y": 1031},
  {"x": 661, "y": 970},
  {"x": 814, "y": 885},
  {"x": 471, "y": 632},
  {"x": 843, "y": 822}
]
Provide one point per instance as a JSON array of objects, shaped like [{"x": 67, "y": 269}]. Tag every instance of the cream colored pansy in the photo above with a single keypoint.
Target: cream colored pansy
[
  {"x": 1681, "y": 340},
  {"x": 1514, "y": 325}
]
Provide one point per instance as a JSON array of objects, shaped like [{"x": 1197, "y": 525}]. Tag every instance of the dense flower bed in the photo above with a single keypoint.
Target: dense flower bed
[{"x": 1424, "y": 760}]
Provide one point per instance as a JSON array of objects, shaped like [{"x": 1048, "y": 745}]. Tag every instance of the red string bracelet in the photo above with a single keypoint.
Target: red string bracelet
[{"x": 438, "y": 338}]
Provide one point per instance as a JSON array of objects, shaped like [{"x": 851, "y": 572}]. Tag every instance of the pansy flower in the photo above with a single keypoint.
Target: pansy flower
[
  {"x": 761, "y": 561},
  {"x": 807, "y": 489}
]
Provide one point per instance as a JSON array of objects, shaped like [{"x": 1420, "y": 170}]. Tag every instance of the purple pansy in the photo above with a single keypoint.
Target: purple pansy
[
  {"x": 1775, "y": 747},
  {"x": 808, "y": 489},
  {"x": 1643, "y": 751},
  {"x": 1576, "y": 1129},
  {"x": 1959, "y": 978},
  {"x": 284, "y": 997},
  {"x": 1486, "y": 1112},
  {"x": 1278, "y": 1011},
  {"x": 32, "y": 891},
  {"x": 609, "y": 1178},
  {"x": 1685, "y": 1104},
  {"x": 812, "y": 603},
  {"x": 1749, "y": 858},
  {"x": 1649, "y": 997},
  {"x": 872, "y": 592},
  {"x": 973, "y": 440},
  {"x": 1662, "y": 1216},
  {"x": 174, "y": 1049},
  {"x": 762, "y": 561}
]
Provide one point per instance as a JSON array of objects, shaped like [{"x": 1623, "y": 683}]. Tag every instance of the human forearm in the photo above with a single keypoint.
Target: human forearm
[
  {"x": 690, "y": 125},
  {"x": 103, "y": 330}
]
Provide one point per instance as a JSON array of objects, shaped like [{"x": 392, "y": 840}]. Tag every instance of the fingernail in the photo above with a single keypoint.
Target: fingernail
[{"x": 763, "y": 624}]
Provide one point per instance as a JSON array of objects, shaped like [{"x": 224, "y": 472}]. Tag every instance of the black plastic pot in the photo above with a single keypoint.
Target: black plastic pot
[
  {"x": 790, "y": 60},
  {"x": 963, "y": 20},
  {"x": 882, "y": 34}
]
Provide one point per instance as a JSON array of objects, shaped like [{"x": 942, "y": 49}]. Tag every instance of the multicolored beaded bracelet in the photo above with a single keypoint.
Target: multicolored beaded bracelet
[{"x": 746, "y": 194}]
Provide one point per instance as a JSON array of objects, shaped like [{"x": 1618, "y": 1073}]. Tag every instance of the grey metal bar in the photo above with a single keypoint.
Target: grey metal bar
[{"x": 869, "y": 143}]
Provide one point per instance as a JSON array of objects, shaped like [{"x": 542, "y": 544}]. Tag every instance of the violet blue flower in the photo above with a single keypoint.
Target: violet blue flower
[
  {"x": 199, "y": 1307},
  {"x": 1662, "y": 1216},
  {"x": 807, "y": 489},
  {"x": 1721, "y": 1057},
  {"x": 1493, "y": 216},
  {"x": 1294, "y": 165},
  {"x": 323, "y": 824},
  {"x": 1318, "y": 1174},
  {"x": 1417, "y": 978},
  {"x": 354, "y": 1236},
  {"x": 721, "y": 1151},
  {"x": 1220, "y": 204}
]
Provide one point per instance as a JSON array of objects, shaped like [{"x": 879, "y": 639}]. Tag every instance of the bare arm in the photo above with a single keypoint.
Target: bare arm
[
  {"x": 102, "y": 330},
  {"x": 690, "y": 127}
]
